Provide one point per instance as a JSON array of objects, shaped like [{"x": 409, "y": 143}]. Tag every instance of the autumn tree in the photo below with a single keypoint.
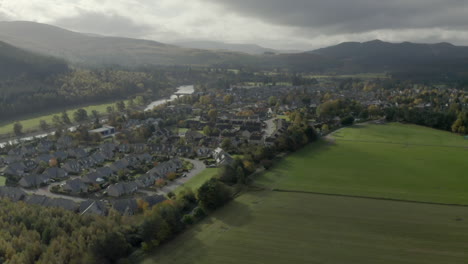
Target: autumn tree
[
  {"x": 213, "y": 114},
  {"x": 228, "y": 99}
]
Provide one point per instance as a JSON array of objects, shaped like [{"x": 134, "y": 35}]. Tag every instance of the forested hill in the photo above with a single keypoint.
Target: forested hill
[
  {"x": 96, "y": 50},
  {"x": 16, "y": 63},
  {"x": 406, "y": 56}
]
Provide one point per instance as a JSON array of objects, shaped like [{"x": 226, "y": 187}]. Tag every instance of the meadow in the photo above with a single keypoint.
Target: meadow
[
  {"x": 297, "y": 226},
  {"x": 32, "y": 122},
  {"x": 388, "y": 161}
]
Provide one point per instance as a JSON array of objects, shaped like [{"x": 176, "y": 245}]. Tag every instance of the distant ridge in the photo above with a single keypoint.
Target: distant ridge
[{"x": 244, "y": 48}]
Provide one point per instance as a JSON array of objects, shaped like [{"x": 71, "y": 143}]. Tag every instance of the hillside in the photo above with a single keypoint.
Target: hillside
[
  {"x": 16, "y": 63},
  {"x": 99, "y": 50},
  {"x": 377, "y": 55}
]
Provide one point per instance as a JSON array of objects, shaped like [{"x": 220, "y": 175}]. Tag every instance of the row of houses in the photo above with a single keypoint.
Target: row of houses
[
  {"x": 101, "y": 175},
  {"x": 98, "y": 207},
  {"x": 147, "y": 180}
]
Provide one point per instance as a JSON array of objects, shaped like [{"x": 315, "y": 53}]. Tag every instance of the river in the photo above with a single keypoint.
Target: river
[{"x": 181, "y": 91}]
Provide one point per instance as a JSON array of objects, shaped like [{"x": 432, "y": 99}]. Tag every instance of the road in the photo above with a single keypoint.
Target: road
[
  {"x": 270, "y": 127},
  {"x": 44, "y": 191}
]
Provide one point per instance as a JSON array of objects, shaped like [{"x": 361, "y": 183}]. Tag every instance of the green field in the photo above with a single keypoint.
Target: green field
[
  {"x": 273, "y": 227},
  {"x": 395, "y": 161},
  {"x": 2, "y": 181},
  {"x": 32, "y": 123},
  {"x": 391, "y": 161},
  {"x": 197, "y": 181}
]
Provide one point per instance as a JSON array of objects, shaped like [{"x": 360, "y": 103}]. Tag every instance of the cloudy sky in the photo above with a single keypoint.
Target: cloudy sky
[{"x": 282, "y": 24}]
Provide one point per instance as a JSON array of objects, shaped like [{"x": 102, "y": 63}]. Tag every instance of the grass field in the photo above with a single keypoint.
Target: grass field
[
  {"x": 273, "y": 227},
  {"x": 33, "y": 122},
  {"x": 197, "y": 181},
  {"x": 396, "y": 161},
  {"x": 2, "y": 181},
  {"x": 391, "y": 161}
]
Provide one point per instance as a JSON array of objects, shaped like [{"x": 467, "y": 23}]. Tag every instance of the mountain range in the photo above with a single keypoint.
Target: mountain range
[{"x": 349, "y": 57}]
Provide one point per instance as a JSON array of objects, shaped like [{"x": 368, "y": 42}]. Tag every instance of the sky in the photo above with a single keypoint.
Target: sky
[{"x": 279, "y": 24}]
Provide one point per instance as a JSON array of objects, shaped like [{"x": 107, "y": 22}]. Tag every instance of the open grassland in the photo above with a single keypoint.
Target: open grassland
[
  {"x": 32, "y": 123},
  {"x": 389, "y": 161},
  {"x": 273, "y": 227},
  {"x": 197, "y": 181}
]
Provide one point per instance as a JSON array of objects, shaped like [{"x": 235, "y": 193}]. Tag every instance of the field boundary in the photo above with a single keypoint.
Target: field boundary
[
  {"x": 369, "y": 197},
  {"x": 398, "y": 143}
]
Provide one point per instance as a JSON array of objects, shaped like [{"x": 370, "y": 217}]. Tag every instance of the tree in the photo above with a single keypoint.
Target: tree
[
  {"x": 43, "y": 125},
  {"x": 53, "y": 162},
  {"x": 228, "y": 99},
  {"x": 207, "y": 130},
  {"x": 213, "y": 194},
  {"x": 347, "y": 121},
  {"x": 205, "y": 100},
  {"x": 273, "y": 100},
  {"x": 226, "y": 144},
  {"x": 325, "y": 128},
  {"x": 80, "y": 115},
  {"x": 120, "y": 106},
  {"x": 140, "y": 100},
  {"x": 18, "y": 129},
  {"x": 110, "y": 109},
  {"x": 65, "y": 118},
  {"x": 110, "y": 247},
  {"x": 171, "y": 176},
  {"x": 95, "y": 114},
  {"x": 213, "y": 114},
  {"x": 57, "y": 121}
]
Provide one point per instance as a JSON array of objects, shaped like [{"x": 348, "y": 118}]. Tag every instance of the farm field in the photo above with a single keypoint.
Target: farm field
[
  {"x": 269, "y": 226},
  {"x": 389, "y": 161},
  {"x": 276, "y": 227},
  {"x": 33, "y": 122}
]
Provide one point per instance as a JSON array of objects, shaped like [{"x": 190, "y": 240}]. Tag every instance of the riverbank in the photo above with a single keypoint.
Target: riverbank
[{"x": 31, "y": 126}]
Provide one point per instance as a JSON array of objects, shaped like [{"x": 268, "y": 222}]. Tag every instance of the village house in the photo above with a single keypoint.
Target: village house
[
  {"x": 75, "y": 186},
  {"x": 105, "y": 131},
  {"x": 122, "y": 188},
  {"x": 222, "y": 157},
  {"x": 55, "y": 173},
  {"x": 33, "y": 181}
]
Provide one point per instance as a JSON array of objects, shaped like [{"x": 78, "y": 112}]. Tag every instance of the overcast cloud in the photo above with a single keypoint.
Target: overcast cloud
[{"x": 292, "y": 24}]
